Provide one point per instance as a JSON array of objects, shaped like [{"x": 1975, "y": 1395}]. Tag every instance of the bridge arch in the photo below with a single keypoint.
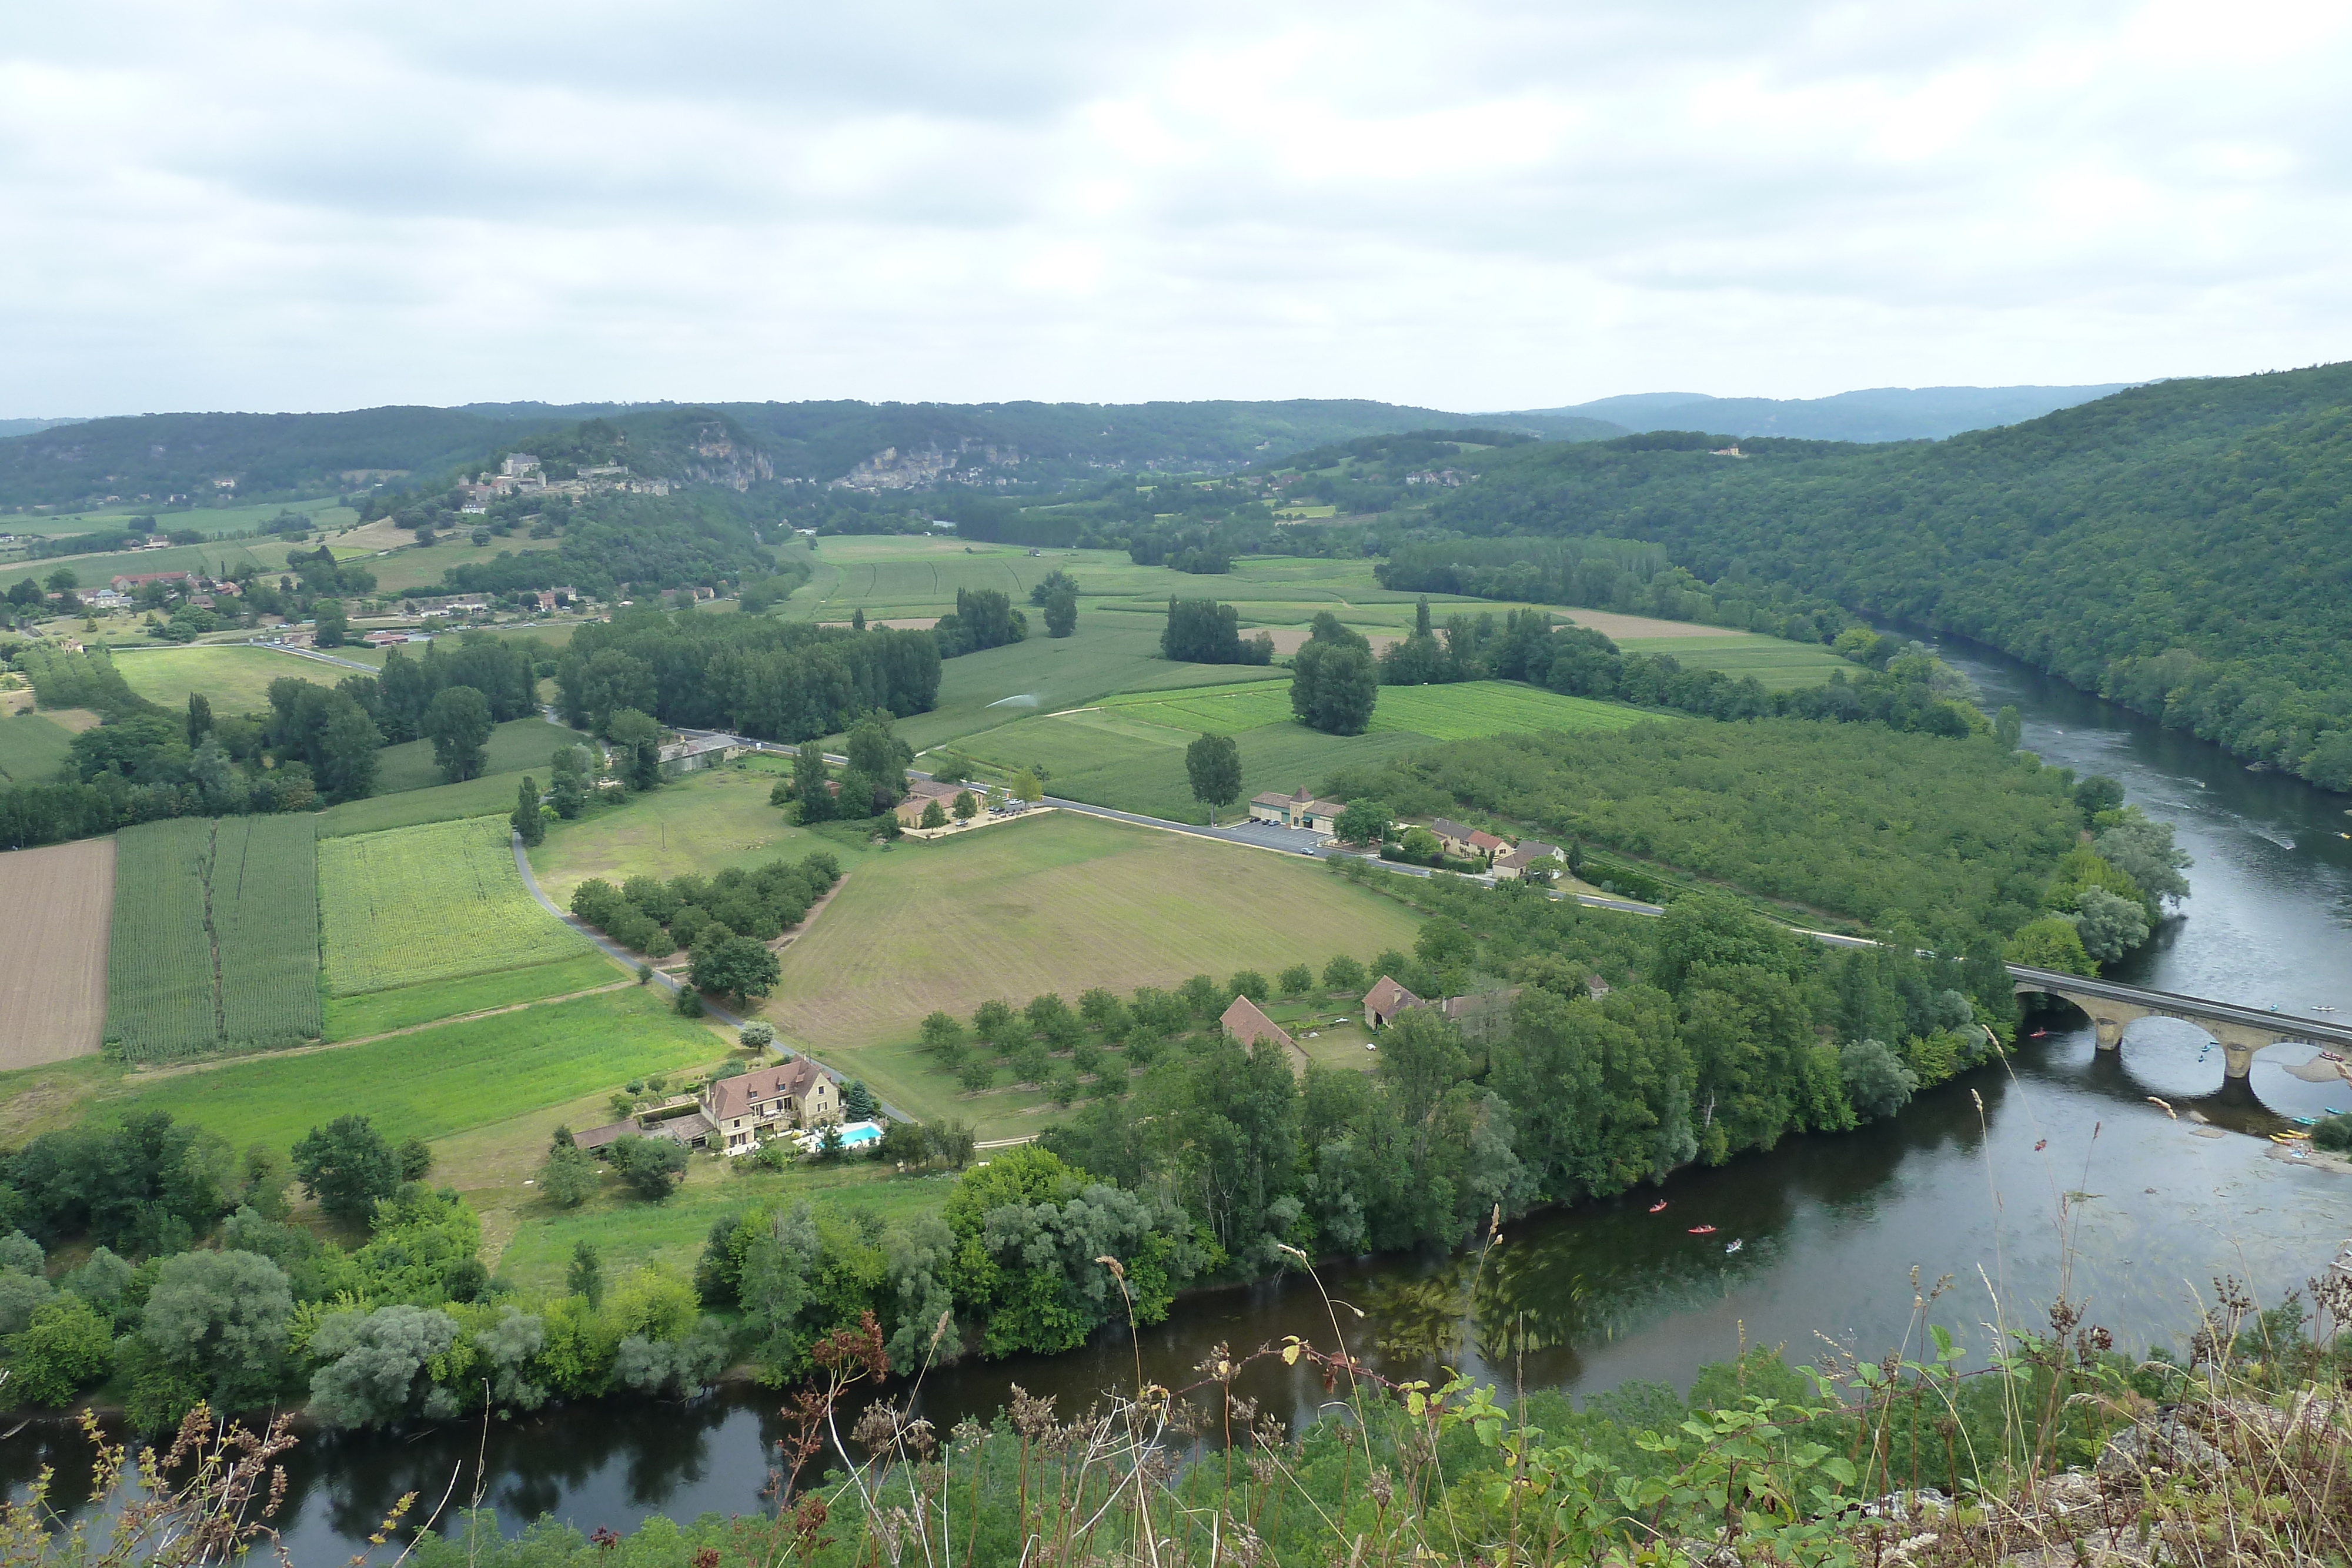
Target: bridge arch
[{"x": 2111, "y": 1015}]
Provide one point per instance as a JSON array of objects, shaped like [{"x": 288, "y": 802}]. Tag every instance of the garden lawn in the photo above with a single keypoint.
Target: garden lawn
[
  {"x": 32, "y": 748},
  {"x": 702, "y": 822},
  {"x": 430, "y": 902},
  {"x": 436, "y": 1082},
  {"x": 630, "y": 1233},
  {"x": 519, "y": 746},
  {"x": 1057, "y": 903},
  {"x": 234, "y": 678},
  {"x": 355, "y": 1018}
]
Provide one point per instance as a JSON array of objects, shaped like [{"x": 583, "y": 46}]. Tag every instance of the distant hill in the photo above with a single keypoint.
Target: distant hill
[
  {"x": 2179, "y": 546},
  {"x": 31, "y": 426},
  {"x": 903, "y": 446},
  {"x": 1879, "y": 414}
]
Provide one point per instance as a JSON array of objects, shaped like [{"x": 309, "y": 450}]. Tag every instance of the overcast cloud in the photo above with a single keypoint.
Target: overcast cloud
[{"x": 1472, "y": 206}]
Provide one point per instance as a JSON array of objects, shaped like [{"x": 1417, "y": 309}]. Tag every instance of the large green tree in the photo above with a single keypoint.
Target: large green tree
[
  {"x": 1333, "y": 687},
  {"x": 458, "y": 722},
  {"x": 346, "y": 1166},
  {"x": 1213, "y": 763}
]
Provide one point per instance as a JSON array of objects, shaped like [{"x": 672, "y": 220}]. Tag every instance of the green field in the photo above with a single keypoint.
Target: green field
[
  {"x": 234, "y": 678},
  {"x": 160, "y": 993},
  {"x": 32, "y": 748},
  {"x": 411, "y": 567},
  {"x": 1059, "y": 902},
  {"x": 702, "y": 823},
  {"x": 438, "y": 1082},
  {"x": 518, "y": 745},
  {"x": 218, "y": 559},
  {"x": 265, "y": 921},
  {"x": 441, "y": 803},
  {"x": 215, "y": 937},
  {"x": 630, "y": 1233},
  {"x": 1126, "y": 750},
  {"x": 213, "y": 521},
  {"x": 377, "y": 1012},
  {"x": 430, "y": 902},
  {"x": 1778, "y": 665}
]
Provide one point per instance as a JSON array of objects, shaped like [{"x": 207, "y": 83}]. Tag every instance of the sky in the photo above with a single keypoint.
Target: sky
[{"x": 1476, "y": 205}]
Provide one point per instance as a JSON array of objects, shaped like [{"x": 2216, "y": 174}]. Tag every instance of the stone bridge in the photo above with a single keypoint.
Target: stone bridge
[{"x": 2241, "y": 1030}]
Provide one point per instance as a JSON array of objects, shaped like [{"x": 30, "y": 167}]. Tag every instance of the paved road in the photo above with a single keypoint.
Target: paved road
[
  {"x": 314, "y": 654},
  {"x": 629, "y": 960}
]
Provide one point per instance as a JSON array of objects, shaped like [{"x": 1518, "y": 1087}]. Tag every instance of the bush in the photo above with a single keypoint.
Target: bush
[
  {"x": 67, "y": 1347},
  {"x": 758, "y": 1034},
  {"x": 569, "y": 1176},
  {"x": 2335, "y": 1135}
]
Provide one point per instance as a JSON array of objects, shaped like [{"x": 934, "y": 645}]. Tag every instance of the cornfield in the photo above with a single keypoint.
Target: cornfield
[
  {"x": 264, "y": 887},
  {"x": 215, "y": 937},
  {"x": 431, "y": 903}
]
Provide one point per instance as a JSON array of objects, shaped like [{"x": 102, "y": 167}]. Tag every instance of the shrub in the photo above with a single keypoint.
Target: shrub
[
  {"x": 67, "y": 1347},
  {"x": 651, "y": 1167},
  {"x": 757, "y": 1034}
]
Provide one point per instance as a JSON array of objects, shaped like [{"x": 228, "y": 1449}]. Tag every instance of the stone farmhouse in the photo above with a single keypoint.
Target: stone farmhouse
[
  {"x": 1463, "y": 842},
  {"x": 732, "y": 1115},
  {"x": 1298, "y": 809},
  {"x": 1248, "y": 1025},
  {"x": 1522, "y": 857},
  {"x": 922, "y": 792},
  {"x": 1480, "y": 1015}
]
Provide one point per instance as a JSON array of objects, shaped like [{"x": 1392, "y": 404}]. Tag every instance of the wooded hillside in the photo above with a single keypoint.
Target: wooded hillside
[{"x": 2180, "y": 547}]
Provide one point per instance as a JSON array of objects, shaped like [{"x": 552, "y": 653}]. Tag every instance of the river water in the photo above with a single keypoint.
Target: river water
[{"x": 1972, "y": 1184}]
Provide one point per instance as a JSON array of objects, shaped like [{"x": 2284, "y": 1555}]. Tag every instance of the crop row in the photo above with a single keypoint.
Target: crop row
[
  {"x": 265, "y": 901},
  {"x": 215, "y": 937},
  {"x": 161, "y": 992},
  {"x": 430, "y": 902}
]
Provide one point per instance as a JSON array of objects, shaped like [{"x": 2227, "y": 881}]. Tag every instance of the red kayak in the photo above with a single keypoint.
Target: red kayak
[
  {"x": 1659, "y": 1207},
  {"x": 1702, "y": 1231}
]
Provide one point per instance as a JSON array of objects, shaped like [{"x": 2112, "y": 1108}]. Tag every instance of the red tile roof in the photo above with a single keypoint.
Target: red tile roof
[{"x": 1245, "y": 1023}]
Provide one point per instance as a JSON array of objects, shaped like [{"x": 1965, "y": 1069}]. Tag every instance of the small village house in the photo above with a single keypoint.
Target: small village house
[
  {"x": 922, "y": 792},
  {"x": 1523, "y": 856},
  {"x": 1463, "y": 842},
  {"x": 1248, "y": 1025},
  {"x": 1385, "y": 1001}
]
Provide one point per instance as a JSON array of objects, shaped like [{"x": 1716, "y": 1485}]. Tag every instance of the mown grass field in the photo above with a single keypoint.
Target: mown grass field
[
  {"x": 234, "y": 679},
  {"x": 703, "y": 822},
  {"x": 1056, "y": 902},
  {"x": 1778, "y": 665},
  {"x": 355, "y": 1018},
  {"x": 160, "y": 992},
  {"x": 406, "y": 809},
  {"x": 630, "y": 1233},
  {"x": 436, "y": 1082},
  {"x": 415, "y": 568},
  {"x": 518, "y": 745},
  {"x": 430, "y": 902},
  {"x": 32, "y": 748}
]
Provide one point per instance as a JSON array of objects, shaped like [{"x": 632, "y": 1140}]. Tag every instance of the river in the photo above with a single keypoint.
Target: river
[{"x": 1970, "y": 1182}]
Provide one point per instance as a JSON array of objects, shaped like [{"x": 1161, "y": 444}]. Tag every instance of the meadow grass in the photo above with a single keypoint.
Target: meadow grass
[
  {"x": 518, "y": 745},
  {"x": 219, "y": 559},
  {"x": 702, "y": 823},
  {"x": 234, "y": 678},
  {"x": 214, "y": 521},
  {"x": 911, "y": 1081},
  {"x": 411, "y": 567},
  {"x": 438, "y": 1082},
  {"x": 1057, "y": 903},
  {"x": 32, "y": 748},
  {"x": 630, "y": 1233},
  {"x": 492, "y": 792},
  {"x": 430, "y": 902},
  {"x": 1107, "y": 759},
  {"x": 1476, "y": 708},
  {"x": 355, "y": 1018}
]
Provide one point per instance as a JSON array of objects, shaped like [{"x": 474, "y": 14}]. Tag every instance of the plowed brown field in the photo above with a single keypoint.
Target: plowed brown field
[{"x": 60, "y": 903}]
